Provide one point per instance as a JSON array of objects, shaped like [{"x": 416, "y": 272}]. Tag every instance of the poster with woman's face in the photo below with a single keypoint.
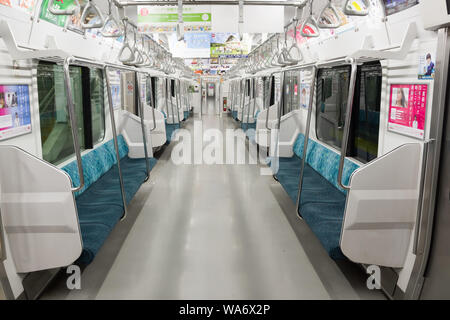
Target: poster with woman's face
[
  {"x": 304, "y": 95},
  {"x": 407, "y": 109}
]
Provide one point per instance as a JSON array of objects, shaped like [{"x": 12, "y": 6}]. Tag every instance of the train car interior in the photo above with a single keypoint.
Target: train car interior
[{"x": 224, "y": 149}]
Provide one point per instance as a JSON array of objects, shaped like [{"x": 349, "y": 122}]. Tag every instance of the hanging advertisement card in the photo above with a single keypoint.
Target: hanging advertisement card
[{"x": 153, "y": 19}]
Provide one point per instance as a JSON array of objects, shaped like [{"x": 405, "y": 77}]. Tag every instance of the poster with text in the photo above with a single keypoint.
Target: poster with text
[
  {"x": 23, "y": 5},
  {"x": 164, "y": 19},
  {"x": 15, "y": 117},
  {"x": 227, "y": 45},
  {"x": 407, "y": 109},
  {"x": 304, "y": 95},
  {"x": 59, "y": 20},
  {"x": 115, "y": 95}
]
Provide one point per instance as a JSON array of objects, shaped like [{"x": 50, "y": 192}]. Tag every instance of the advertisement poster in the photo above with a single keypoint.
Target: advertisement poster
[
  {"x": 304, "y": 95},
  {"x": 227, "y": 45},
  {"x": 115, "y": 95},
  {"x": 407, "y": 109},
  {"x": 426, "y": 67},
  {"x": 58, "y": 20},
  {"x": 15, "y": 117},
  {"x": 23, "y": 5},
  {"x": 152, "y": 19}
]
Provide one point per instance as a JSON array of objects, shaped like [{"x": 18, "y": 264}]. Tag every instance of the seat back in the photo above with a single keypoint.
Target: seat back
[
  {"x": 325, "y": 161},
  {"x": 96, "y": 163}
]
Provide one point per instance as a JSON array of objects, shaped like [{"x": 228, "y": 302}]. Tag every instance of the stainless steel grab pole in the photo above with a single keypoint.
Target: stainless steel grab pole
[
  {"x": 73, "y": 121},
  {"x": 280, "y": 108},
  {"x": 152, "y": 103},
  {"x": 249, "y": 101},
  {"x": 116, "y": 143},
  {"x": 348, "y": 118},
  {"x": 305, "y": 143},
  {"x": 268, "y": 102},
  {"x": 144, "y": 136},
  {"x": 243, "y": 101}
]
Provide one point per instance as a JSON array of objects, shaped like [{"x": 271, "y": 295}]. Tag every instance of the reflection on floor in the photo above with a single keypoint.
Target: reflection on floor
[{"x": 211, "y": 232}]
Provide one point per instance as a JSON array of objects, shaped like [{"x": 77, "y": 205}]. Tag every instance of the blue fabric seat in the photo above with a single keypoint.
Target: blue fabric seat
[
  {"x": 99, "y": 203},
  {"x": 322, "y": 201},
  {"x": 170, "y": 130},
  {"x": 186, "y": 115},
  {"x": 234, "y": 114}
]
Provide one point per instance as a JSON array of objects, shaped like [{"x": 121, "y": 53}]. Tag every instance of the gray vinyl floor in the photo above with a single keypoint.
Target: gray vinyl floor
[{"x": 210, "y": 232}]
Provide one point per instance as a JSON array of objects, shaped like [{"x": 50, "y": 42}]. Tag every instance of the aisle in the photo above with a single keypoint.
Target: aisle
[{"x": 211, "y": 232}]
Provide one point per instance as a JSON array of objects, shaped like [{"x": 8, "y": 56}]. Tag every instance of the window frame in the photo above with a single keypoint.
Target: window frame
[
  {"x": 86, "y": 134},
  {"x": 341, "y": 104}
]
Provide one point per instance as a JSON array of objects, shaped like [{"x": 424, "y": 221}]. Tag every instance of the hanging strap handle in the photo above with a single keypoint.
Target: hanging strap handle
[
  {"x": 311, "y": 23},
  {"x": 126, "y": 45},
  {"x": 111, "y": 19},
  {"x": 356, "y": 7},
  {"x": 91, "y": 7},
  {"x": 180, "y": 24},
  {"x": 329, "y": 8}
]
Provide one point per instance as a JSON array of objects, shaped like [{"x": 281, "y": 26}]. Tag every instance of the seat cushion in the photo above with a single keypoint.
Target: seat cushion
[
  {"x": 325, "y": 220},
  {"x": 100, "y": 206},
  {"x": 170, "y": 130},
  {"x": 322, "y": 205},
  {"x": 93, "y": 235}
]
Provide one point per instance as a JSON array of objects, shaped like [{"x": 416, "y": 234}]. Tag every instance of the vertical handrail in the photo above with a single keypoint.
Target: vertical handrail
[
  {"x": 426, "y": 147},
  {"x": 73, "y": 122},
  {"x": 243, "y": 101},
  {"x": 254, "y": 99},
  {"x": 281, "y": 107},
  {"x": 201, "y": 97},
  {"x": 179, "y": 102},
  {"x": 249, "y": 100},
  {"x": 306, "y": 139},
  {"x": 2, "y": 240},
  {"x": 348, "y": 117},
  {"x": 152, "y": 103},
  {"x": 116, "y": 143},
  {"x": 268, "y": 101},
  {"x": 166, "y": 98},
  {"x": 141, "y": 113}
]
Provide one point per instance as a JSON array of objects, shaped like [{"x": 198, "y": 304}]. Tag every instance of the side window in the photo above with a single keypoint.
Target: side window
[
  {"x": 151, "y": 81},
  {"x": 332, "y": 90},
  {"x": 366, "y": 118},
  {"x": 272, "y": 92},
  {"x": 56, "y": 134},
  {"x": 331, "y": 105},
  {"x": 97, "y": 105},
  {"x": 88, "y": 96}
]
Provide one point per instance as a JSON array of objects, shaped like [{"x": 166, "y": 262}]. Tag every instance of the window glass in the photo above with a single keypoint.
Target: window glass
[
  {"x": 332, "y": 91},
  {"x": 367, "y": 120},
  {"x": 97, "y": 105},
  {"x": 56, "y": 136}
]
